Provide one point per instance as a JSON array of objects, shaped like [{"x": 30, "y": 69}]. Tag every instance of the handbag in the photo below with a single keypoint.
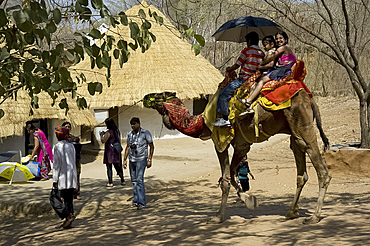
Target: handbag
[
  {"x": 117, "y": 145},
  {"x": 55, "y": 201}
]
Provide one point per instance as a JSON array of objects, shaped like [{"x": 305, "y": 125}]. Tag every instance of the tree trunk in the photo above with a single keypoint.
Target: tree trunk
[{"x": 365, "y": 123}]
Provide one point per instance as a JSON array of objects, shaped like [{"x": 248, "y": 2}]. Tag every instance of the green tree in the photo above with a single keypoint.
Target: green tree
[{"x": 34, "y": 57}]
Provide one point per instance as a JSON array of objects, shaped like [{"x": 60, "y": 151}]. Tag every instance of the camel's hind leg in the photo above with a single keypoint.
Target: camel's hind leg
[
  {"x": 300, "y": 119},
  {"x": 300, "y": 158},
  {"x": 224, "y": 183},
  {"x": 322, "y": 175}
]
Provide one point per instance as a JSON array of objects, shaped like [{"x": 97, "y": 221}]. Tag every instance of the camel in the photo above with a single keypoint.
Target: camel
[{"x": 297, "y": 121}]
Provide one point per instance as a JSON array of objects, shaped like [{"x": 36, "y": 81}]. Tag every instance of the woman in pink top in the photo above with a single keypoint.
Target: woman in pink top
[
  {"x": 42, "y": 149},
  {"x": 285, "y": 60}
]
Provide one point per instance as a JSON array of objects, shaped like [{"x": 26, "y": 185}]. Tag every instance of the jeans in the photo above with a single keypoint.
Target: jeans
[
  {"x": 226, "y": 94},
  {"x": 137, "y": 170}
]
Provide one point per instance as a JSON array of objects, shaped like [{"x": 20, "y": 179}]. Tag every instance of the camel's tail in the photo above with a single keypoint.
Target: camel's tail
[{"x": 316, "y": 115}]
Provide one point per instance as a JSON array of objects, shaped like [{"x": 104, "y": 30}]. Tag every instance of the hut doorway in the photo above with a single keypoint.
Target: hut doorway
[
  {"x": 42, "y": 124},
  {"x": 113, "y": 113}
]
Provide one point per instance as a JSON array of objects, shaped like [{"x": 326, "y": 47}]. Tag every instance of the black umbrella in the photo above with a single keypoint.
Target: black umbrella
[{"x": 236, "y": 29}]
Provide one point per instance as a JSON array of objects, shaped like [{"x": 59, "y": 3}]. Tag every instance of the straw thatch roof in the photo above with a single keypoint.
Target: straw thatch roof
[
  {"x": 17, "y": 113},
  {"x": 168, "y": 65}
]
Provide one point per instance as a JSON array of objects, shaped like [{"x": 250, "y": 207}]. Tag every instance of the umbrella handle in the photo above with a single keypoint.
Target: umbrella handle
[{"x": 10, "y": 182}]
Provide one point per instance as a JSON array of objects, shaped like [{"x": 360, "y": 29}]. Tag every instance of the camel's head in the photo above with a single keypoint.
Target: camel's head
[{"x": 155, "y": 100}]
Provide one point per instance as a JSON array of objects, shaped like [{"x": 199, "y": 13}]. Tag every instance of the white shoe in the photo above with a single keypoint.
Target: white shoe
[{"x": 221, "y": 122}]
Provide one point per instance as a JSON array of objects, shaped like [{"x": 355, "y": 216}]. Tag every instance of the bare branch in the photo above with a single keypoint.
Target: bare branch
[
  {"x": 350, "y": 47},
  {"x": 316, "y": 35},
  {"x": 366, "y": 5}
]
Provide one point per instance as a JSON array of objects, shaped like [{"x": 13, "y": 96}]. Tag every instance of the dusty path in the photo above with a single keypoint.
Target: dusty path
[{"x": 182, "y": 194}]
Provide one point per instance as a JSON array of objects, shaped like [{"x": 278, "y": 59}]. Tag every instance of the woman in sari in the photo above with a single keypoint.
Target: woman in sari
[{"x": 42, "y": 149}]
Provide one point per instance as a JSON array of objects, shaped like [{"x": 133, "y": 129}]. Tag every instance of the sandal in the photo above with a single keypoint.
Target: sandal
[
  {"x": 109, "y": 185},
  {"x": 247, "y": 111},
  {"x": 247, "y": 104}
]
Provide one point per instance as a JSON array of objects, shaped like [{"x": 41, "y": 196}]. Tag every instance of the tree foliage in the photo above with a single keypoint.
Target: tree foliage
[{"x": 35, "y": 58}]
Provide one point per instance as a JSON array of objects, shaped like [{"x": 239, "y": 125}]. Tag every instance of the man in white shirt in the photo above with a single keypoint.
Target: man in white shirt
[{"x": 64, "y": 174}]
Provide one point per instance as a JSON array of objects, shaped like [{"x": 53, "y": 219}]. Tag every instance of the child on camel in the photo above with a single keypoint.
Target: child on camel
[
  {"x": 248, "y": 62},
  {"x": 284, "y": 58},
  {"x": 269, "y": 45}
]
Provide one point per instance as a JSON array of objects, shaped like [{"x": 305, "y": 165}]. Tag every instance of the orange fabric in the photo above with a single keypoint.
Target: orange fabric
[
  {"x": 285, "y": 91},
  {"x": 298, "y": 73},
  {"x": 282, "y": 90}
]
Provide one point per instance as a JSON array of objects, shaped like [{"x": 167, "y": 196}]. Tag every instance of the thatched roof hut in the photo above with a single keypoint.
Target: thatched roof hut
[
  {"x": 17, "y": 113},
  {"x": 168, "y": 65}
]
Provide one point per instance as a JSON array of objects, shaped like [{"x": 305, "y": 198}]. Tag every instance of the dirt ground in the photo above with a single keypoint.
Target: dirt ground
[{"x": 182, "y": 194}]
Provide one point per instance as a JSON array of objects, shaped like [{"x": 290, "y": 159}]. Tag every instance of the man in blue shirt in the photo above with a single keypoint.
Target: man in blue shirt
[{"x": 137, "y": 151}]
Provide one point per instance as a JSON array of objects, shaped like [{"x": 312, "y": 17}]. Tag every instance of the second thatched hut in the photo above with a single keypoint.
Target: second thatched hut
[{"x": 169, "y": 65}]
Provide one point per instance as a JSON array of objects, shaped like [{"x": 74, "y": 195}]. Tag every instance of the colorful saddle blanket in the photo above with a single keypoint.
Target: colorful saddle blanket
[{"x": 281, "y": 90}]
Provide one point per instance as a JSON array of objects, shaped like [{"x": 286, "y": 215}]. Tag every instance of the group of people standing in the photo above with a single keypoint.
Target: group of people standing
[{"x": 67, "y": 162}]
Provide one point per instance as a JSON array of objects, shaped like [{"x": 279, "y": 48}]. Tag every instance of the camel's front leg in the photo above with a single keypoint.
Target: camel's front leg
[
  {"x": 241, "y": 148},
  {"x": 237, "y": 157},
  {"x": 224, "y": 183}
]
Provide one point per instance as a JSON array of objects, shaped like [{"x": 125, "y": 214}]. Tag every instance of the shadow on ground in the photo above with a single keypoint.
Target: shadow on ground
[{"x": 177, "y": 213}]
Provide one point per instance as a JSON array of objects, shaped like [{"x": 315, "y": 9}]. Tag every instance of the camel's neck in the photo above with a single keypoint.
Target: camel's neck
[{"x": 182, "y": 120}]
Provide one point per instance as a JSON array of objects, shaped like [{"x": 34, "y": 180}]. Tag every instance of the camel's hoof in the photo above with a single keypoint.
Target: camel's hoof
[
  {"x": 311, "y": 220},
  {"x": 292, "y": 215},
  {"x": 251, "y": 202},
  {"x": 214, "y": 220}
]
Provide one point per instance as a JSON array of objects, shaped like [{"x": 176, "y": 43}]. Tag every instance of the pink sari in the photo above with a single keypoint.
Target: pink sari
[{"x": 44, "y": 155}]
